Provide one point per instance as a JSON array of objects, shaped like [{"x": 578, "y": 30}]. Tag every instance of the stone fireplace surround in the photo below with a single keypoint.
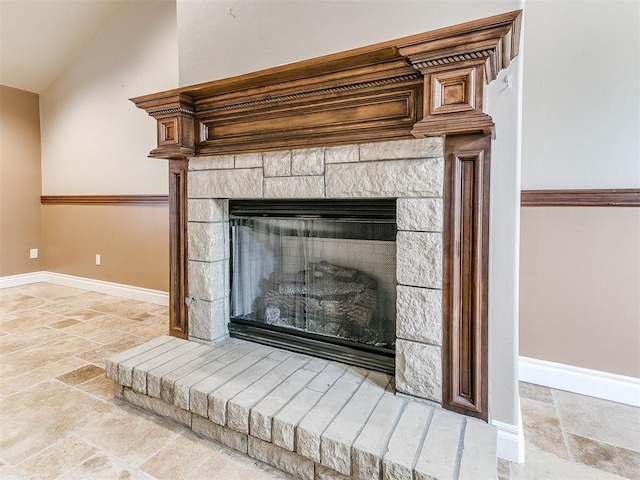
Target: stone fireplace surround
[
  {"x": 405, "y": 117},
  {"x": 410, "y": 170}
]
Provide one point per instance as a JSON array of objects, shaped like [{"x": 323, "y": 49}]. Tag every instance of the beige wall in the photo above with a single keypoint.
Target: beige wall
[
  {"x": 94, "y": 140},
  {"x": 20, "y": 181},
  {"x": 580, "y": 287},
  {"x": 581, "y": 102},
  {"x": 132, "y": 240},
  {"x": 258, "y": 34},
  {"x": 580, "y": 273}
]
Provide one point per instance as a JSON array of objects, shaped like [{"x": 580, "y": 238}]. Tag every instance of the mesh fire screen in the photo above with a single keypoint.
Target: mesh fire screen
[{"x": 328, "y": 275}]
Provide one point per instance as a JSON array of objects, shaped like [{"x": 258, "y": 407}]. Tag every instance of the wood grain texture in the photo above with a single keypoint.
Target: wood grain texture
[
  {"x": 178, "y": 320},
  {"x": 465, "y": 275},
  {"x": 103, "y": 199},
  {"x": 628, "y": 197},
  {"x": 423, "y": 85}
]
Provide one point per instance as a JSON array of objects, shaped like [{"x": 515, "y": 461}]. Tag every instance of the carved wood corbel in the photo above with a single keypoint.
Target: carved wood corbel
[{"x": 456, "y": 69}]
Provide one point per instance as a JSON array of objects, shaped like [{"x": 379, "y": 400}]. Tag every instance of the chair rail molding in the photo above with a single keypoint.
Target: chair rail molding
[
  {"x": 103, "y": 199},
  {"x": 622, "y": 197}
]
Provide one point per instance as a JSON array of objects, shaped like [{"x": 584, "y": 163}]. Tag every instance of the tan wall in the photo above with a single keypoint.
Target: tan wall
[
  {"x": 20, "y": 181},
  {"x": 580, "y": 287},
  {"x": 133, "y": 242},
  {"x": 581, "y": 116},
  {"x": 94, "y": 140}
]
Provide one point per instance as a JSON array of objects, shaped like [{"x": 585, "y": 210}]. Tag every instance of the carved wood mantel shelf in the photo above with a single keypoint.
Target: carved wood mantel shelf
[{"x": 423, "y": 85}]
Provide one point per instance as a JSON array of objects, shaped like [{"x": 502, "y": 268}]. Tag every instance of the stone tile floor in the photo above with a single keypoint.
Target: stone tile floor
[{"x": 58, "y": 417}]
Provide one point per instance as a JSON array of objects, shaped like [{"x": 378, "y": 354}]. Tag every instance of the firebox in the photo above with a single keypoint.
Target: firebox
[{"x": 317, "y": 277}]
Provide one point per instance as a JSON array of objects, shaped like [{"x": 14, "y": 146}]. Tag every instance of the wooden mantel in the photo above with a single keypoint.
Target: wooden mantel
[
  {"x": 427, "y": 84},
  {"x": 424, "y": 85}
]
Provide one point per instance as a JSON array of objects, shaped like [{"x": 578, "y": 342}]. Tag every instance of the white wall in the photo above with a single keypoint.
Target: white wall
[
  {"x": 581, "y": 103},
  {"x": 217, "y": 43},
  {"x": 94, "y": 140}
]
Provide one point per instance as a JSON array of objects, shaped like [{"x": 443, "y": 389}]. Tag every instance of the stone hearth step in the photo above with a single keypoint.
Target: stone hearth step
[{"x": 310, "y": 417}]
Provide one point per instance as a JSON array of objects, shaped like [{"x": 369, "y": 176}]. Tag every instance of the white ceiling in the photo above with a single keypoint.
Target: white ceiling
[{"x": 40, "y": 38}]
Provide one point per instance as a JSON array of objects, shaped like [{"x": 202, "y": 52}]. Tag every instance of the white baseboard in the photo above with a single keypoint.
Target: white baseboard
[
  {"x": 510, "y": 441},
  {"x": 157, "y": 297},
  {"x": 22, "y": 279},
  {"x": 608, "y": 386}
]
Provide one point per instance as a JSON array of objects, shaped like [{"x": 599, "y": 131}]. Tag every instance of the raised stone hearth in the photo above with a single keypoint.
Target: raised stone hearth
[{"x": 309, "y": 417}]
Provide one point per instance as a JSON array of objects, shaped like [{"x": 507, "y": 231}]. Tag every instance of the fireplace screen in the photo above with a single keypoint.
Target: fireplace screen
[{"x": 317, "y": 277}]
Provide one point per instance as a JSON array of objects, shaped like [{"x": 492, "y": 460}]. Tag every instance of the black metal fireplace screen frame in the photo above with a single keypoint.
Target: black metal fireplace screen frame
[{"x": 318, "y": 345}]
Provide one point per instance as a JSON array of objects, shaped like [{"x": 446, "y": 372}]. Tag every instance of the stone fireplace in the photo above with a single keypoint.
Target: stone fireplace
[
  {"x": 397, "y": 127},
  {"x": 410, "y": 172},
  {"x": 402, "y": 120}
]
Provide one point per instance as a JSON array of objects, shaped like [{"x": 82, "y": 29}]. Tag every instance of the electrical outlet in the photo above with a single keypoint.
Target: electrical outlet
[
  {"x": 33, "y": 253},
  {"x": 98, "y": 259}
]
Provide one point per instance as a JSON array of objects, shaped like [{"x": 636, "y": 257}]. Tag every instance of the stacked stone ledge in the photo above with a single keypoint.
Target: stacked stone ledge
[{"x": 309, "y": 417}]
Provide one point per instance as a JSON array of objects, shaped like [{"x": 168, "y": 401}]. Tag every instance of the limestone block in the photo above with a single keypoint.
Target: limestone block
[
  {"x": 294, "y": 187},
  {"x": 398, "y": 178},
  {"x": 285, "y": 422},
  {"x": 224, "y": 435},
  {"x": 479, "y": 457},
  {"x": 155, "y": 376},
  {"x": 207, "y": 281},
  {"x": 439, "y": 453},
  {"x": 261, "y": 415},
  {"x": 324, "y": 473},
  {"x": 342, "y": 154},
  {"x": 419, "y": 214},
  {"x": 308, "y": 161},
  {"x": 249, "y": 160},
  {"x": 141, "y": 371},
  {"x": 419, "y": 259},
  {"x": 239, "y": 183},
  {"x": 419, "y": 370},
  {"x": 240, "y": 406},
  {"x": 337, "y": 439},
  {"x": 309, "y": 431},
  {"x": 158, "y": 407},
  {"x": 208, "y": 320},
  {"x": 125, "y": 367},
  {"x": 207, "y": 242},
  {"x": 280, "y": 458},
  {"x": 405, "y": 441},
  {"x": 215, "y": 162},
  {"x": 112, "y": 363},
  {"x": 277, "y": 164},
  {"x": 371, "y": 444},
  {"x": 207, "y": 210},
  {"x": 419, "y": 314},
  {"x": 396, "y": 149}
]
